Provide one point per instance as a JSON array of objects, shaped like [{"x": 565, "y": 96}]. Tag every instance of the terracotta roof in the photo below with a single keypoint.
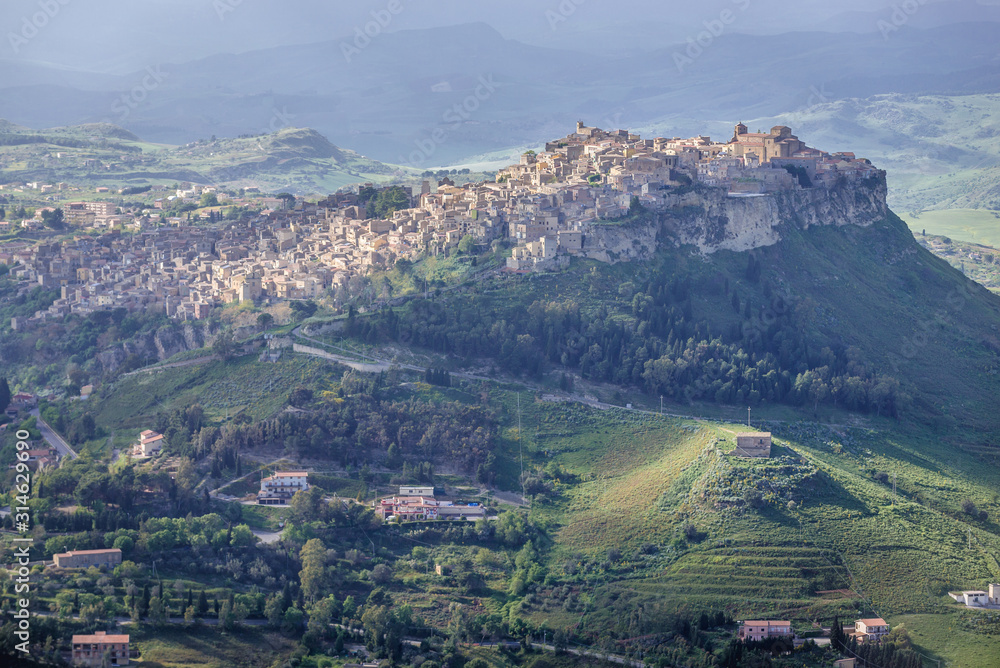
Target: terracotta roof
[
  {"x": 73, "y": 553},
  {"x": 291, "y": 474},
  {"x": 101, "y": 637},
  {"x": 876, "y": 621},
  {"x": 767, "y": 623}
]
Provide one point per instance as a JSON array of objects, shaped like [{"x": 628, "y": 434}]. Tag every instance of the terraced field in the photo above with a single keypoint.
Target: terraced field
[{"x": 750, "y": 580}]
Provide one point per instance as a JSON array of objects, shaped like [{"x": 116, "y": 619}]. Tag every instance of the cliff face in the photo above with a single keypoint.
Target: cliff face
[
  {"x": 711, "y": 220},
  {"x": 162, "y": 344}
]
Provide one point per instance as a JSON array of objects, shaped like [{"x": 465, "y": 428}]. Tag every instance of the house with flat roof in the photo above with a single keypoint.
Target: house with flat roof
[
  {"x": 753, "y": 444},
  {"x": 757, "y": 630},
  {"x": 978, "y": 598},
  {"x": 91, "y": 650},
  {"x": 410, "y": 490},
  {"x": 278, "y": 489},
  {"x": 88, "y": 558}
]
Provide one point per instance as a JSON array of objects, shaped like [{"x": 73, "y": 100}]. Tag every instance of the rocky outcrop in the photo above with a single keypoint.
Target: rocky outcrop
[
  {"x": 711, "y": 220},
  {"x": 160, "y": 345}
]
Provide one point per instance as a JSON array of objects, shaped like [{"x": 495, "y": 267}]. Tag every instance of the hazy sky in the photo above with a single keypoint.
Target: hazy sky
[{"x": 126, "y": 35}]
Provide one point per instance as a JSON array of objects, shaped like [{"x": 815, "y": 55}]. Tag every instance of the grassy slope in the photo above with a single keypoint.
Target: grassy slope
[
  {"x": 205, "y": 647},
  {"x": 291, "y": 159},
  {"x": 975, "y": 225},
  {"x": 221, "y": 388},
  {"x": 978, "y": 262},
  {"x": 644, "y": 477},
  {"x": 913, "y": 316},
  {"x": 940, "y": 150}
]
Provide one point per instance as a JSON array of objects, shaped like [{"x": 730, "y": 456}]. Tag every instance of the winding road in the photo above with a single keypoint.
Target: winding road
[{"x": 52, "y": 438}]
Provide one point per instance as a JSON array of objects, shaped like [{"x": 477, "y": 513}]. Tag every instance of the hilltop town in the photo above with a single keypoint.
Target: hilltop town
[{"x": 543, "y": 207}]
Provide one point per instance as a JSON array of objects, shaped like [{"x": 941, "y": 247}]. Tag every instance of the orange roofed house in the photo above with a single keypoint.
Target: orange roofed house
[
  {"x": 756, "y": 630},
  {"x": 88, "y": 558},
  {"x": 150, "y": 443},
  {"x": 90, "y": 650}
]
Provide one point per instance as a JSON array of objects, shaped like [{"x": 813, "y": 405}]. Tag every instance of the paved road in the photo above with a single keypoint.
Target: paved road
[
  {"x": 54, "y": 439},
  {"x": 267, "y": 537},
  {"x": 376, "y": 367},
  {"x": 172, "y": 365}
]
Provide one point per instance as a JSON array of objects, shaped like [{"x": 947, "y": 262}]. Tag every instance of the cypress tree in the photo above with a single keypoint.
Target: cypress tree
[
  {"x": 202, "y": 603},
  {"x": 4, "y": 388}
]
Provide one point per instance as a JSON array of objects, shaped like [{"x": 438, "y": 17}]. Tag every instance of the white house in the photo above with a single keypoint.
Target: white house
[
  {"x": 977, "y": 598},
  {"x": 868, "y": 630},
  {"x": 150, "y": 443},
  {"x": 278, "y": 489},
  {"x": 757, "y": 630},
  {"x": 406, "y": 490}
]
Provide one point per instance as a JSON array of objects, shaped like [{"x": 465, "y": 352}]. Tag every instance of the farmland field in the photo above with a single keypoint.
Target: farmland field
[{"x": 977, "y": 225}]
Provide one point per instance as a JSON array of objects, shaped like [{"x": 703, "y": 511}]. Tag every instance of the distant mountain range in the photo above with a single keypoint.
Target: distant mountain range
[
  {"x": 389, "y": 97},
  {"x": 291, "y": 159}
]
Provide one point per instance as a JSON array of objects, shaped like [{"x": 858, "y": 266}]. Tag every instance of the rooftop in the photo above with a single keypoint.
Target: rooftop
[
  {"x": 73, "y": 553},
  {"x": 101, "y": 637}
]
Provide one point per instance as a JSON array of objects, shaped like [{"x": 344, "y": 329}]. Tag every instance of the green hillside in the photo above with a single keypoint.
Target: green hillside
[
  {"x": 886, "y": 326},
  {"x": 654, "y": 513},
  {"x": 940, "y": 149},
  {"x": 291, "y": 159}
]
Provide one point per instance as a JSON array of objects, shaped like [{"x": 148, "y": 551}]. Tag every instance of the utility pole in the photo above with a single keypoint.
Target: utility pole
[
  {"x": 661, "y": 404},
  {"x": 748, "y": 417}
]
